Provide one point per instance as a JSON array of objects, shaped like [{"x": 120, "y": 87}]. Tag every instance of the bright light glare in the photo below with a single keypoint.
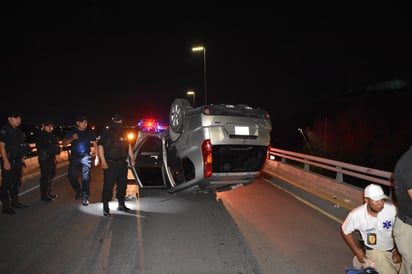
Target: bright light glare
[
  {"x": 97, "y": 209},
  {"x": 198, "y": 48},
  {"x": 138, "y": 207},
  {"x": 131, "y": 136}
]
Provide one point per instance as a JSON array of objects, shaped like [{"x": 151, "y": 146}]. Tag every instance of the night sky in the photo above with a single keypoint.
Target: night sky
[{"x": 98, "y": 60}]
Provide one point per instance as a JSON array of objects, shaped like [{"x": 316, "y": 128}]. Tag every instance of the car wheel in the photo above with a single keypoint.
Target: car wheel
[{"x": 176, "y": 116}]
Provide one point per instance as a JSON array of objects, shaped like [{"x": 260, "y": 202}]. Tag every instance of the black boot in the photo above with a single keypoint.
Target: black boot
[
  {"x": 106, "y": 209},
  {"x": 16, "y": 204},
  {"x": 6, "y": 207},
  {"x": 123, "y": 207},
  {"x": 52, "y": 195},
  {"x": 49, "y": 192},
  {"x": 8, "y": 210},
  {"x": 46, "y": 198}
]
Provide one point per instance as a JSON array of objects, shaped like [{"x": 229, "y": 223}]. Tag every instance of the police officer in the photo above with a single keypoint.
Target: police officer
[
  {"x": 12, "y": 151},
  {"x": 80, "y": 138},
  {"x": 402, "y": 229},
  {"x": 114, "y": 149},
  {"x": 47, "y": 145}
]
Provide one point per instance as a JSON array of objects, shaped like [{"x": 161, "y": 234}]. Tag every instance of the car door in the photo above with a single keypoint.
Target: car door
[{"x": 148, "y": 169}]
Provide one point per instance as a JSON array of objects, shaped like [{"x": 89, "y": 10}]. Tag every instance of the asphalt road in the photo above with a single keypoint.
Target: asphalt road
[
  {"x": 288, "y": 233},
  {"x": 253, "y": 229}
]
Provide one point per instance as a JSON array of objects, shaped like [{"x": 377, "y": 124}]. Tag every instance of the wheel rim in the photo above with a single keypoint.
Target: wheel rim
[{"x": 175, "y": 117}]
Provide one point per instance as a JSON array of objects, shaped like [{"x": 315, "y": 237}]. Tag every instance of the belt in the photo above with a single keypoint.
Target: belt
[
  {"x": 117, "y": 160},
  {"x": 404, "y": 218},
  {"x": 370, "y": 248}
]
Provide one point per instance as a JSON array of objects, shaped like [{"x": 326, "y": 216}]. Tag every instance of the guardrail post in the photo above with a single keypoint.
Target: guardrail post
[
  {"x": 306, "y": 166},
  {"x": 339, "y": 175}
]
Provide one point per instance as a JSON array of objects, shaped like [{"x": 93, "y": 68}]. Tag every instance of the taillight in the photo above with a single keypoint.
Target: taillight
[{"x": 207, "y": 158}]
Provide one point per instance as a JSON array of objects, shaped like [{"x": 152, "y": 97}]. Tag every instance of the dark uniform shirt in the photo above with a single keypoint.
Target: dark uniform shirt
[
  {"x": 47, "y": 144},
  {"x": 115, "y": 143},
  {"x": 14, "y": 139},
  {"x": 403, "y": 182}
]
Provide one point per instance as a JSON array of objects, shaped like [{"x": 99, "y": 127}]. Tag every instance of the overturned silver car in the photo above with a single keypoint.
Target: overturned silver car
[{"x": 211, "y": 147}]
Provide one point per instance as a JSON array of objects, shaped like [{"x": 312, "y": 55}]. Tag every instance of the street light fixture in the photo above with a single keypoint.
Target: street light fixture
[
  {"x": 191, "y": 92},
  {"x": 304, "y": 138},
  {"x": 202, "y": 48}
]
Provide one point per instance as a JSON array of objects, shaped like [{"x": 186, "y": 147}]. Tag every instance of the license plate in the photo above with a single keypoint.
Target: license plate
[{"x": 241, "y": 130}]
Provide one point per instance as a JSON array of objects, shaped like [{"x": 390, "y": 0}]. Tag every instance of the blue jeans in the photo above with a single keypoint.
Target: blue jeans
[{"x": 80, "y": 165}]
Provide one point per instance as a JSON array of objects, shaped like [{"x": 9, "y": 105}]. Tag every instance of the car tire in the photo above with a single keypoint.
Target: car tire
[{"x": 176, "y": 117}]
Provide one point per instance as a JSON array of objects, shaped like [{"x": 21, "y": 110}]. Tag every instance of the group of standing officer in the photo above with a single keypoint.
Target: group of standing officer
[{"x": 113, "y": 150}]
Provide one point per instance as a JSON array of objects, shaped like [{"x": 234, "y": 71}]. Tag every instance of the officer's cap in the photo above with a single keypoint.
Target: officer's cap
[{"x": 117, "y": 117}]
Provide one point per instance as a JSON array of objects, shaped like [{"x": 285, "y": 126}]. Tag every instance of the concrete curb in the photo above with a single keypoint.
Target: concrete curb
[{"x": 342, "y": 194}]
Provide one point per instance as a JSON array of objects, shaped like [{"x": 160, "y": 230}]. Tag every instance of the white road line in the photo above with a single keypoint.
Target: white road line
[{"x": 37, "y": 186}]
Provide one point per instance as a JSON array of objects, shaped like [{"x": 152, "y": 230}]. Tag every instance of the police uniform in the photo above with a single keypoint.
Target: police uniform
[
  {"x": 47, "y": 145},
  {"x": 14, "y": 140},
  {"x": 402, "y": 230},
  {"x": 115, "y": 147}
]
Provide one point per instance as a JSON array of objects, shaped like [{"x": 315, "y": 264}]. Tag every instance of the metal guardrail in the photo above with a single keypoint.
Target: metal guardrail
[
  {"x": 33, "y": 148},
  {"x": 338, "y": 168}
]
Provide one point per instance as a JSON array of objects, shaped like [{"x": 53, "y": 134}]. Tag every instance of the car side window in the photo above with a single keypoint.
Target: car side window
[{"x": 151, "y": 145}]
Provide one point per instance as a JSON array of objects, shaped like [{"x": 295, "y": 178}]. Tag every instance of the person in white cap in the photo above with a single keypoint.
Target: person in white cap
[{"x": 374, "y": 220}]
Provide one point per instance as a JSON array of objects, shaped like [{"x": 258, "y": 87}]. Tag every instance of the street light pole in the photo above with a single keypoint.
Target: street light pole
[
  {"x": 202, "y": 48},
  {"x": 191, "y": 92}
]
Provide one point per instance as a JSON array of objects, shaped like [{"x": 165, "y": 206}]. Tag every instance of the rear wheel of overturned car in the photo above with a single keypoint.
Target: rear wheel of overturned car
[{"x": 176, "y": 116}]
